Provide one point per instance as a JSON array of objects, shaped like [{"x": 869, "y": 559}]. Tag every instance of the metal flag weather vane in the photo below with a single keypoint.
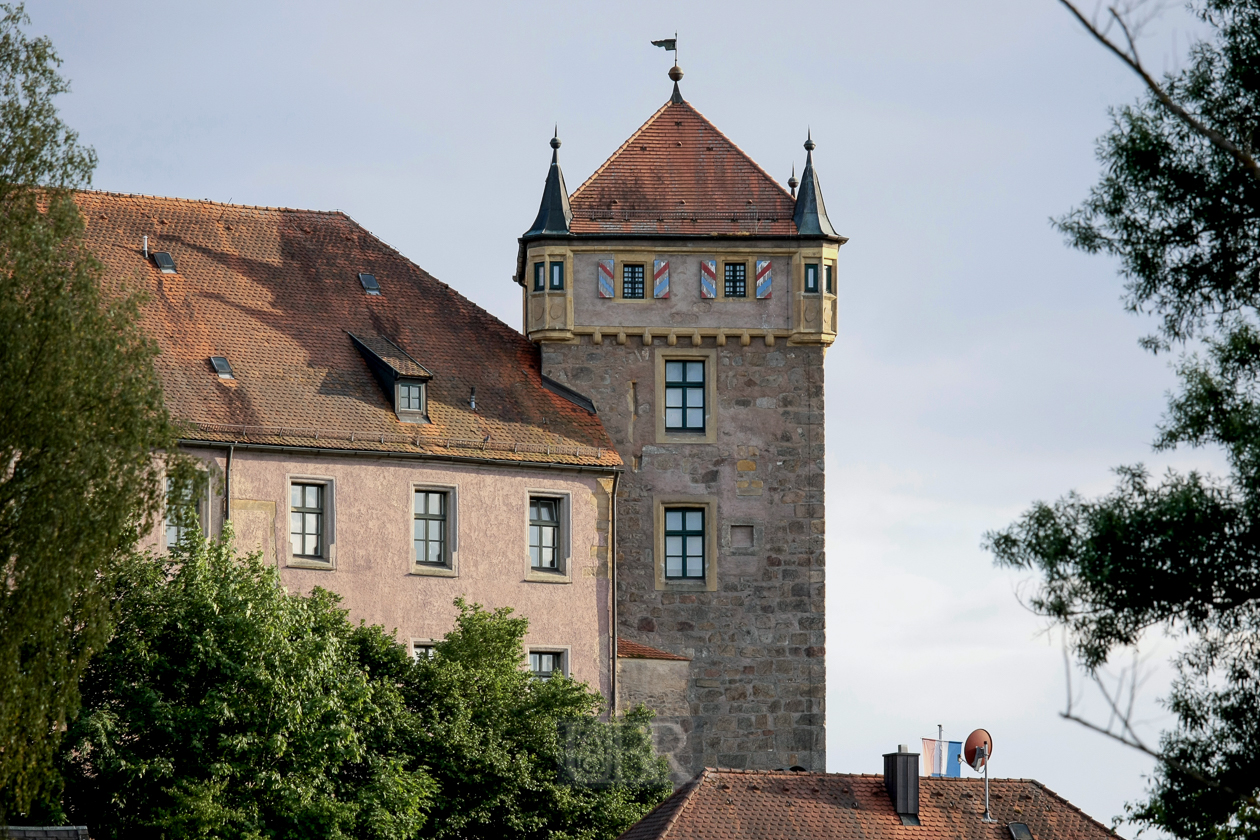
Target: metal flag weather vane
[{"x": 669, "y": 44}]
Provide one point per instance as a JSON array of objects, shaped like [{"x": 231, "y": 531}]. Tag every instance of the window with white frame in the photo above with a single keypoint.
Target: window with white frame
[
  {"x": 684, "y": 396},
  {"x": 422, "y": 650},
  {"x": 544, "y": 664},
  {"x": 307, "y": 520},
  {"x": 684, "y": 543},
  {"x": 411, "y": 396},
  {"x": 544, "y": 533},
  {"x": 430, "y": 535}
]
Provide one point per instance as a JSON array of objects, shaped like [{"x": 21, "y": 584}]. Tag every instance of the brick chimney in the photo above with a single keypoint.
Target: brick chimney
[{"x": 901, "y": 780}]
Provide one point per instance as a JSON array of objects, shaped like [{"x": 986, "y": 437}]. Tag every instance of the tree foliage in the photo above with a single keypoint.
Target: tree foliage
[
  {"x": 1182, "y": 553},
  {"x": 81, "y": 415},
  {"x": 518, "y": 757},
  {"x": 225, "y": 706}
]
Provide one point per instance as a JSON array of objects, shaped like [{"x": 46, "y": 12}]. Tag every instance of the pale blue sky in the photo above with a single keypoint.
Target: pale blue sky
[{"x": 980, "y": 364}]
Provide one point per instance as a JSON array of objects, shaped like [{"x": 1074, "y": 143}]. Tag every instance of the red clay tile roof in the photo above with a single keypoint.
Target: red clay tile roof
[
  {"x": 679, "y": 174},
  {"x": 276, "y": 291},
  {"x": 778, "y": 805},
  {"x": 633, "y": 650}
]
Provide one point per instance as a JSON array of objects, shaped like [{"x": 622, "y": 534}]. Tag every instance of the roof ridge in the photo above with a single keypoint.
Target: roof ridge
[
  {"x": 178, "y": 200},
  {"x": 516, "y": 334},
  {"x": 737, "y": 148},
  {"x": 688, "y": 791},
  {"x": 650, "y": 120},
  {"x": 1068, "y": 803},
  {"x": 621, "y": 148}
]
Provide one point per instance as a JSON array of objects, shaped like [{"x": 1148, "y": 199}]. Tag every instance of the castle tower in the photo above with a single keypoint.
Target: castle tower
[{"x": 692, "y": 297}]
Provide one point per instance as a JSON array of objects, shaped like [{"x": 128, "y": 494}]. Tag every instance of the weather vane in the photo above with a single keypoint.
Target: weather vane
[{"x": 669, "y": 44}]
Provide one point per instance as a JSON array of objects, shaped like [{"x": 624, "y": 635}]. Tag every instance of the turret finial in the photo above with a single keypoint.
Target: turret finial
[
  {"x": 792, "y": 182},
  {"x": 555, "y": 139},
  {"x": 809, "y": 141}
]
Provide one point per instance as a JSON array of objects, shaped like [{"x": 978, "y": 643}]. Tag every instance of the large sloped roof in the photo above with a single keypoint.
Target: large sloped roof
[
  {"x": 276, "y": 292},
  {"x": 678, "y": 174},
  {"x": 780, "y": 805}
]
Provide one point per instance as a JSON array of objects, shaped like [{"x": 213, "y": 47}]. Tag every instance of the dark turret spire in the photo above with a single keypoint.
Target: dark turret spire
[
  {"x": 554, "y": 214},
  {"x": 811, "y": 214}
]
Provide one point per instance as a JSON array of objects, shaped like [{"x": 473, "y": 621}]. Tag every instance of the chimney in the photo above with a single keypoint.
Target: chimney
[{"x": 901, "y": 780}]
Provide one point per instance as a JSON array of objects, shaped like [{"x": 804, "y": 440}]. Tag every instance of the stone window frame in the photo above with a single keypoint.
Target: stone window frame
[
  {"x": 565, "y": 651},
  {"x": 644, "y": 258},
  {"x": 564, "y": 574},
  {"x": 758, "y": 531},
  {"x": 329, "y": 561},
  {"x": 451, "y": 567},
  {"x": 689, "y": 354},
  {"x": 710, "y": 505}
]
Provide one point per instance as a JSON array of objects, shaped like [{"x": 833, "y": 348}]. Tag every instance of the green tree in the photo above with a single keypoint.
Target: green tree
[
  {"x": 1179, "y": 205},
  {"x": 515, "y": 756},
  {"x": 81, "y": 415},
  {"x": 224, "y": 706}
]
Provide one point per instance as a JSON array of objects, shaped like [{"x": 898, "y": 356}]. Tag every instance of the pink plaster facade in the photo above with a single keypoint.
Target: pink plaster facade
[{"x": 369, "y": 541}]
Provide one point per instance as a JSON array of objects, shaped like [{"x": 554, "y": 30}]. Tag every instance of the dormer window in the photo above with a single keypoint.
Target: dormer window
[
  {"x": 164, "y": 262},
  {"x": 403, "y": 379},
  {"x": 410, "y": 397},
  {"x": 221, "y": 367},
  {"x": 370, "y": 285}
]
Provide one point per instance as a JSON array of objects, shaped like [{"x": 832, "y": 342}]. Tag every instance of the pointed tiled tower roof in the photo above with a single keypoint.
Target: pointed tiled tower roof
[
  {"x": 554, "y": 214},
  {"x": 810, "y": 215},
  {"x": 679, "y": 174}
]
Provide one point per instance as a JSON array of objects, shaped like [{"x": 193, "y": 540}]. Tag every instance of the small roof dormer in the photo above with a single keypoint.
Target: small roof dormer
[
  {"x": 554, "y": 214},
  {"x": 403, "y": 379}
]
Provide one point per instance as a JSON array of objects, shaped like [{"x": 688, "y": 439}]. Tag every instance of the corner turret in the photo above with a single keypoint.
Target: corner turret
[
  {"x": 554, "y": 214},
  {"x": 811, "y": 214}
]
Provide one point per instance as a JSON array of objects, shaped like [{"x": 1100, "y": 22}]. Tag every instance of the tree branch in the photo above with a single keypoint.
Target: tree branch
[
  {"x": 1130, "y": 739},
  {"x": 1217, "y": 139}
]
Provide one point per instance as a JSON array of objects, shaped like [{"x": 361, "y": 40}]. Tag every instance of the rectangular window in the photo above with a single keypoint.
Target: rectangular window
[
  {"x": 429, "y": 536},
  {"x": 684, "y": 543},
  {"x": 557, "y": 276},
  {"x": 306, "y": 520},
  {"x": 736, "y": 280},
  {"x": 632, "y": 281},
  {"x": 410, "y": 396},
  {"x": 811, "y": 277},
  {"x": 180, "y": 515},
  {"x": 684, "y": 396},
  {"x": 827, "y": 277},
  {"x": 545, "y": 664},
  {"x": 544, "y": 533},
  {"x": 540, "y": 276},
  {"x": 422, "y": 650}
]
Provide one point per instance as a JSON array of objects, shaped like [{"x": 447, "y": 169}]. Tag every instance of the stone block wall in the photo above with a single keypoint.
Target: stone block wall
[{"x": 756, "y": 689}]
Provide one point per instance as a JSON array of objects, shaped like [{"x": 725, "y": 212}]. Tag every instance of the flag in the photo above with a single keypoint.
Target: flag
[
  {"x": 942, "y": 758},
  {"x": 667, "y": 43}
]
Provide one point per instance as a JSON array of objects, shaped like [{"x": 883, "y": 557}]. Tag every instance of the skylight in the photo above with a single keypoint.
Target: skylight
[
  {"x": 222, "y": 367},
  {"x": 164, "y": 262},
  {"x": 369, "y": 284}
]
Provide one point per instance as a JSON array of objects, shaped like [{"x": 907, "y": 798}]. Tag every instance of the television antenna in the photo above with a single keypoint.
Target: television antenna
[{"x": 977, "y": 751}]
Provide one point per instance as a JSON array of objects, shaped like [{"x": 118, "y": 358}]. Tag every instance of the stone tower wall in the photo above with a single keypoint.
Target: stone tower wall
[{"x": 755, "y": 632}]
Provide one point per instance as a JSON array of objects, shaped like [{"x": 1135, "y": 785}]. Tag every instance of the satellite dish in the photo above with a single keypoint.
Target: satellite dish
[{"x": 978, "y": 749}]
